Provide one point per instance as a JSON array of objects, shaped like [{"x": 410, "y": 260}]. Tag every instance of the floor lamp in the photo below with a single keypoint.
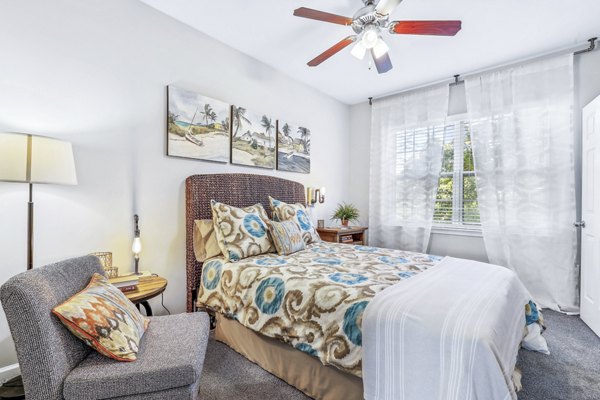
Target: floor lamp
[{"x": 35, "y": 159}]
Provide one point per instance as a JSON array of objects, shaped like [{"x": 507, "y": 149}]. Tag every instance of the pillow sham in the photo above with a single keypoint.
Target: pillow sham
[
  {"x": 104, "y": 319},
  {"x": 286, "y": 236},
  {"x": 296, "y": 212},
  {"x": 205, "y": 240},
  {"x": 241, "y": 232}
]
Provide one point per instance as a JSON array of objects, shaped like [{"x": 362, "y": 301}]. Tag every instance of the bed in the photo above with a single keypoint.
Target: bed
[
  {"x": 297, "y": 368},
  {"x": 310, "y": 333}
]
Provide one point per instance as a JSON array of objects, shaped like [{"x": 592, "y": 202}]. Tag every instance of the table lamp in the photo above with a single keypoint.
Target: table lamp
[
  {"x": 35, "y": 159},
  {"x": 136, "y": 246}
]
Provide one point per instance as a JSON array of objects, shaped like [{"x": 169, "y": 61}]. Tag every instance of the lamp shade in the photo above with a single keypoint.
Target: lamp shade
[{"x": 36, "y": 159}]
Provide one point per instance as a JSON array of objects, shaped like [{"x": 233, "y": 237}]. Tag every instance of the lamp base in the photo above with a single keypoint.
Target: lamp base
[
  {"x": 30, "y": 229},
  {"x": 136, "y": 270}
]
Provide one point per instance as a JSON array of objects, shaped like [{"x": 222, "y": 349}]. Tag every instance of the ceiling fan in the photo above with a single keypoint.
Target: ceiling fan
[{"x": 367, "y": 23}]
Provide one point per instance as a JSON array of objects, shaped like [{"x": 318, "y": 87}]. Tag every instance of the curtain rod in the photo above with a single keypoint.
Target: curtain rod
[{"x": 590, "y": 48}]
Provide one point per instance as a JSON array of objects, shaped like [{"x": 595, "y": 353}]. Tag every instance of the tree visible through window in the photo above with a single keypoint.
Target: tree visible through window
[{"x": 456, "y": 201}]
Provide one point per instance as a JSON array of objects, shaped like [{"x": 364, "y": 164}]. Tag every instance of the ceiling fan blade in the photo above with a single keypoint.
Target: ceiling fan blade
[
  {"x": 439, "y": 28},
  {"x": 331, "y": 51},
  {"x": 383, "y": 63},
  {"x": 386, "y": 7},
  {"x": 322, "y": 16}
]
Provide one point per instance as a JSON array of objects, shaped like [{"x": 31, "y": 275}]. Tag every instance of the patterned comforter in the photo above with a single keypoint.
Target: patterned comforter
[{"x": 313, "y": 299}]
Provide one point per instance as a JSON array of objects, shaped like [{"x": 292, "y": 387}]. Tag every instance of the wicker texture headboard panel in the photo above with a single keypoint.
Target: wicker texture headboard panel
[{"x": 238, "y": 190}]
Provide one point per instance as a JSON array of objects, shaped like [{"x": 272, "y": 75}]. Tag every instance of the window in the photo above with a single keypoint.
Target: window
[
  {"x": 413, "y": 156},
  {"x": 456, "y": 202}
]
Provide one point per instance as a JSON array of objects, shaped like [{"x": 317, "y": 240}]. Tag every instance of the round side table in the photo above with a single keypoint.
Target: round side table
[{"x": 148, "y": 288}]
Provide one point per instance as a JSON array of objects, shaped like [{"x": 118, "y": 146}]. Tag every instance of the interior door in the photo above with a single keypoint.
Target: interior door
[{"x": 590, "y": 232}]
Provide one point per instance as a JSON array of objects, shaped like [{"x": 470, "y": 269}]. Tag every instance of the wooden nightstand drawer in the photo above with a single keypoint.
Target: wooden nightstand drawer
[{"x": 351, "y": 235}]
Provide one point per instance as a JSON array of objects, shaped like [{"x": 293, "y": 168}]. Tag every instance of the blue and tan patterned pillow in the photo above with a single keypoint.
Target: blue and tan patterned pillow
[
  {"x": 241, "y": 232},
  {"x": 104, "y": 319},
  {"x": 296, "y": 212},
  {"x": 286, "y": 236}
]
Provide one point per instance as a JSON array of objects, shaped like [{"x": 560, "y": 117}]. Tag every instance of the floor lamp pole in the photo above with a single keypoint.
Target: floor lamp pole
[{"x": 30, "y": 228}]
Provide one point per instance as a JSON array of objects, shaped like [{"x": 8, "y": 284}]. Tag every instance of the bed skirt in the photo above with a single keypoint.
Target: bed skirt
[{"x": 306, "y": 373}]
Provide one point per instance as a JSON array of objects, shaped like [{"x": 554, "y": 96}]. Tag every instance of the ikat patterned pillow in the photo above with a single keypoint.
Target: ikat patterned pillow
[
  {"x": 284, "y": 211},
  {"x": 286, "y": 236},
  {"x": 241, "y": 232},
  {"x": 104, "y": 319}
]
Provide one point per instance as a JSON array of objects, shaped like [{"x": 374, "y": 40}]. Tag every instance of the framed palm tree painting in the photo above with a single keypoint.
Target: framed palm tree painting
[
  {"x": 293, "y": 148},
  {"x": 252, "y": 138},
  {"x": 197, "y": 126}
]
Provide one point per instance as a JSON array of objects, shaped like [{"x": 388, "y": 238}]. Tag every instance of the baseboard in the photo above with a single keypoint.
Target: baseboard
[{"x": 9, "y": 372}]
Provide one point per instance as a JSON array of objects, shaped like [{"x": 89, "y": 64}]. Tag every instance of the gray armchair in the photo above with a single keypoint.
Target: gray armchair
[{"x": 57, "y": 365}]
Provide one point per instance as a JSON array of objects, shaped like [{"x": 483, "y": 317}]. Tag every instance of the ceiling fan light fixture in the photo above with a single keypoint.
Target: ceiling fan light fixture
[
  {"x": 380, "y": 49},
  {"x": 370, "y": 36},
  {"x": 359, "y": 51}
]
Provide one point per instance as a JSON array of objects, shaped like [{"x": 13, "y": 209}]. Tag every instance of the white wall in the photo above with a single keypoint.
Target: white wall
[
  {"x": 360, "y": 149},
  {"x": 95, "y": 73},
  {"x": 587, "y": 87}
]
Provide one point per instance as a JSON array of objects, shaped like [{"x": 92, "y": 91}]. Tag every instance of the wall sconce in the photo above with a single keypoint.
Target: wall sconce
[
  {"x": 136, "y": 247},
  {"x": 316, "y": 195}
]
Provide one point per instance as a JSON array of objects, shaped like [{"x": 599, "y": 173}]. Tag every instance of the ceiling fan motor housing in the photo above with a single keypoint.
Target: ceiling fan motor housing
[{"x": 367, "y": 15}]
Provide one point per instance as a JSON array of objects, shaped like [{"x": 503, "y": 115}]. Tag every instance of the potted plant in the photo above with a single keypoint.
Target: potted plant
[{"x": 345, "y": 213}]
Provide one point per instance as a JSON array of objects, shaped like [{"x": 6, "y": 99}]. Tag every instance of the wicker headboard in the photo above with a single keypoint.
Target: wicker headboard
[{"x": 238, "y": 190}]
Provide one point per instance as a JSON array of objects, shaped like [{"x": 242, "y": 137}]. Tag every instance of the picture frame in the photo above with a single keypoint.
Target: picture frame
[
  {"x": 253, "y": 139},
  {"x": 293, "y": 147},
  {"x": 198, "y": 126}
]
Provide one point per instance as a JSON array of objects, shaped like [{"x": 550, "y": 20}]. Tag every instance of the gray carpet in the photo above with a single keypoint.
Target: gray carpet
[{"x": 571, "y": 371}]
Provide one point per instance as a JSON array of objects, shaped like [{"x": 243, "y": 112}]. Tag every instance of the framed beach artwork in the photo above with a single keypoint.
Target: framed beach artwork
[
  {"x": 197, "y": 126},
  {"x": 252, "y": 138},
  {"x": 293, "y": 148}
]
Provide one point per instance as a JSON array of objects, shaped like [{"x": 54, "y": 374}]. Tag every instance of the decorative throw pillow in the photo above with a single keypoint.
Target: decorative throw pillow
[
  {"x": 287, "y": 236},
  {"x": 284, "y": 211},
  {"x": 104, "y": 319},
  {"x": 205, "y": 240},
  {"x": 241, "y": 232}
]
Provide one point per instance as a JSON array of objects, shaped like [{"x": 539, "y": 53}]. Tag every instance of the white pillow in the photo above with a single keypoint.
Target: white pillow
[{"x": 534, "y": 340}]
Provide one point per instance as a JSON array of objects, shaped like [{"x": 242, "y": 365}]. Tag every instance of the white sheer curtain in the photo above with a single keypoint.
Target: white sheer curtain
[
  {"x": 522, "y": 133},
  {"x": 406, "y": 158}
]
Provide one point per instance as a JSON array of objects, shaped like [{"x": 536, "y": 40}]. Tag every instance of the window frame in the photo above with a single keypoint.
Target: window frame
[{"x": 457, "y": 226}]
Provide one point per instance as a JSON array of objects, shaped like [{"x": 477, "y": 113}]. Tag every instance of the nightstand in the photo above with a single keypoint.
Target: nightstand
[
  {"x": 148, "y": 288},
  {"x": 337, "y": 234}
]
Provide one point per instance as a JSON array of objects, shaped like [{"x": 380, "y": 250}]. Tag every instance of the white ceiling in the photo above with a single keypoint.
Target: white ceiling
[{"x": 493, "y": 32}]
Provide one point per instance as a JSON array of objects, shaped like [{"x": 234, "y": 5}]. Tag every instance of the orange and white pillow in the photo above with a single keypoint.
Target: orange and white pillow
[{"x": 104, "y": 319}]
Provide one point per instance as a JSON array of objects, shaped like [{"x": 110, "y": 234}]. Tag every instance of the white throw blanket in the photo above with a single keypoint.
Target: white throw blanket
[{"x": 450, "y": 333}]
